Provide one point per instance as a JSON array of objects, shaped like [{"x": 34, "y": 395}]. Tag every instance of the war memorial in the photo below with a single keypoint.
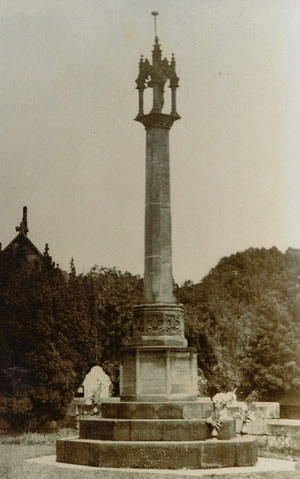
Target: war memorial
[{"x": 159, "y": 422}]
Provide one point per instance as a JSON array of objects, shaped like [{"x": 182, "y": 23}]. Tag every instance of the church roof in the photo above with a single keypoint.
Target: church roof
[
  {"x": 21, "y": 244},
  {"x": 22, "y": 240}
]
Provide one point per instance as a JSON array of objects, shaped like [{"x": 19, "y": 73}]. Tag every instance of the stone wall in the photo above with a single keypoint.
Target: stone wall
[{"x": 274, "y": 435}]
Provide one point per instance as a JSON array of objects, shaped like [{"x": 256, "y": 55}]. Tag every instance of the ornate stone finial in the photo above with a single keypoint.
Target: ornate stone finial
[
  {"x": 155, "y": 76},
  {"x": 23, "y": 228},
  {"x": 46, "y": 252},
  {"x": 155, "y": 14}
]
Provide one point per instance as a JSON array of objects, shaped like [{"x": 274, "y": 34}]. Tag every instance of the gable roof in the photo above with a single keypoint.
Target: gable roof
[
  {"x": 22, "y": 241},
  {"x": 21, "y": 244}
]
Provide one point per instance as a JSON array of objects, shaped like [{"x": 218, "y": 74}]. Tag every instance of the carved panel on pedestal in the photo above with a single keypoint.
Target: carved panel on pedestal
[
  {"x": 181, "y": 372},
  {"x": 128, "y": 383},
  {"x": 152, "y": 374},
  {"x": 174, "y": 324},
  {"x": 154, "y": 324},
  {"x": 162, "y": 322}
]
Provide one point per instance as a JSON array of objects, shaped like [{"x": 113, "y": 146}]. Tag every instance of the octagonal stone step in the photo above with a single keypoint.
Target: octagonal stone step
[
  {"x": 152, "y": 429},
  {"x": 158, "y": 455},
  {"x": 199, "y": 409}
]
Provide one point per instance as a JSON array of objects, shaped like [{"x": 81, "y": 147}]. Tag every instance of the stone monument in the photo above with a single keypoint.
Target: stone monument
[
  {"x": 158, "y": 365},
  {"x": 158, "y": 422}
]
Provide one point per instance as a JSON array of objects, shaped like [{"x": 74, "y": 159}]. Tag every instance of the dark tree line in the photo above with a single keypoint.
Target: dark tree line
[
  {"x": 53, "y": 328},
  {"x": 243, "y": 318}
]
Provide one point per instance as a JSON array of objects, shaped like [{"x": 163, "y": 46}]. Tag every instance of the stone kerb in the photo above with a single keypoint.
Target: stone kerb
[
  {"x": 284, "y": 427},
  {"x": 261, "y": 412},
  {"x": 281, "y": 435}
]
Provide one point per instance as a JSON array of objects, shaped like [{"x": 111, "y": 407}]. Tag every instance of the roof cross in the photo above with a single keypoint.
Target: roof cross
[{"x": 23, "y": 228}]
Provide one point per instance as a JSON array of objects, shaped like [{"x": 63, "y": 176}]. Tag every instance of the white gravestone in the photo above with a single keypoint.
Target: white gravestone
[{"x": 97, "y": 384}]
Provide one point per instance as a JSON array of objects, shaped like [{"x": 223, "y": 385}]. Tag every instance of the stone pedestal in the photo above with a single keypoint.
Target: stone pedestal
[
  {"x": 158, "y": 374},
  {"x": 158, "y": 366}
]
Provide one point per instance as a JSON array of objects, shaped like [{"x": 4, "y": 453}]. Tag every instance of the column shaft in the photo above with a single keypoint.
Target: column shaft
[{"x": 158, "y": 277}]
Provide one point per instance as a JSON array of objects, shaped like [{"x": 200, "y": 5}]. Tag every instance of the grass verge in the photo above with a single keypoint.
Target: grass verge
[{"x": 35, "y": 438}]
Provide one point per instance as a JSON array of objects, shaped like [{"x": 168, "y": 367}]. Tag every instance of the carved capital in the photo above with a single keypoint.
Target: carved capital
[{"x": 157, "y": 120}]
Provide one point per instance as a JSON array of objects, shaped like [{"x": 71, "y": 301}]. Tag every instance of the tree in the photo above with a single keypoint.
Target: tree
[
  {"x": 33, "y": 301},
  {"x": 244, "y": 320},
  {"x": 112, "y": 296},
  {"x": 55, "y": 327}
]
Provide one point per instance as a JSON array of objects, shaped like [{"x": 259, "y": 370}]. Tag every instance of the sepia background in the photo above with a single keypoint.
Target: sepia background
[{"x": 71, "y": 152}]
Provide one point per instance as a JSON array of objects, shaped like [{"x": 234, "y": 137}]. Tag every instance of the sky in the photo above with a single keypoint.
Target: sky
[{"x": 72, "y": 153}]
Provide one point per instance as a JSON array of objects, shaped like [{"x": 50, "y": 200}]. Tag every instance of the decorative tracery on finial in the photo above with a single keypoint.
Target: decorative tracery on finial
[{"x": 155, "y": 76}]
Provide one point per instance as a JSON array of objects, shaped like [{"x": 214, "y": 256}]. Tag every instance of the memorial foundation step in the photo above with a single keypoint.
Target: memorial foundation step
[
  {"x": 199, "y": 409},
  {"x": 152, "y": 429},
  {"x": 158, "y": 455}
]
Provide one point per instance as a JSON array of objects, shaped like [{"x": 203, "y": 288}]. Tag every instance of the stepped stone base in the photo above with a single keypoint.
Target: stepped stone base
[
  {"x": 152, "y": 429},
  {"x": 158, "y": 455},
  {"x": 156, "y": 435},
  {"x": 199, "y": 409}
]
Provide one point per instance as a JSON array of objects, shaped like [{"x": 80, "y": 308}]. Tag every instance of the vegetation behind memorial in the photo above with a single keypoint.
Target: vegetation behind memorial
[
  {"x": 54, "y": 327},
  {"x": 243, "y": 318}
]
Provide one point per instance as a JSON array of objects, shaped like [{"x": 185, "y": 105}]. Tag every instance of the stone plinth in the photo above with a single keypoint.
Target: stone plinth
[
  {"x": 158, "y": 454},
  {"x": 158, "y": 374}
]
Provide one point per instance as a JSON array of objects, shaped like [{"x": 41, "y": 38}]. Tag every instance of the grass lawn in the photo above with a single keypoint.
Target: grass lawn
[
  {"x": 14, "y": 450},
  {"x": 12, "y": 459}
]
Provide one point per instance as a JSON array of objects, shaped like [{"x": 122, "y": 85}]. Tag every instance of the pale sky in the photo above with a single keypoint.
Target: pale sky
[{"x": 72, "y": 153}]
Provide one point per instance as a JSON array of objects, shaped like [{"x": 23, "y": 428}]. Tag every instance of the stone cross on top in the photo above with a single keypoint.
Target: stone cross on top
[
  {"x": 23, "y": 228},
  {"x": 155, "y": 76}
]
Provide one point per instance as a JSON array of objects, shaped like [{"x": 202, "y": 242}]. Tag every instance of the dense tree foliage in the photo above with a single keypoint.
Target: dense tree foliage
[
  {"x": 112, "y": 295},
  {"x": 36, "y": 372},
  {"x": 244, "y": 320},
  {"x": 54, "y": 328}
]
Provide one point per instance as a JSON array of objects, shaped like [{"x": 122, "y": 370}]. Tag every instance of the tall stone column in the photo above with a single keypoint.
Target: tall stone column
[
  {"x": 159, "y": 321},
  {"x": 158, "y": 365},
  {"x": 158, "y": 278}
]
